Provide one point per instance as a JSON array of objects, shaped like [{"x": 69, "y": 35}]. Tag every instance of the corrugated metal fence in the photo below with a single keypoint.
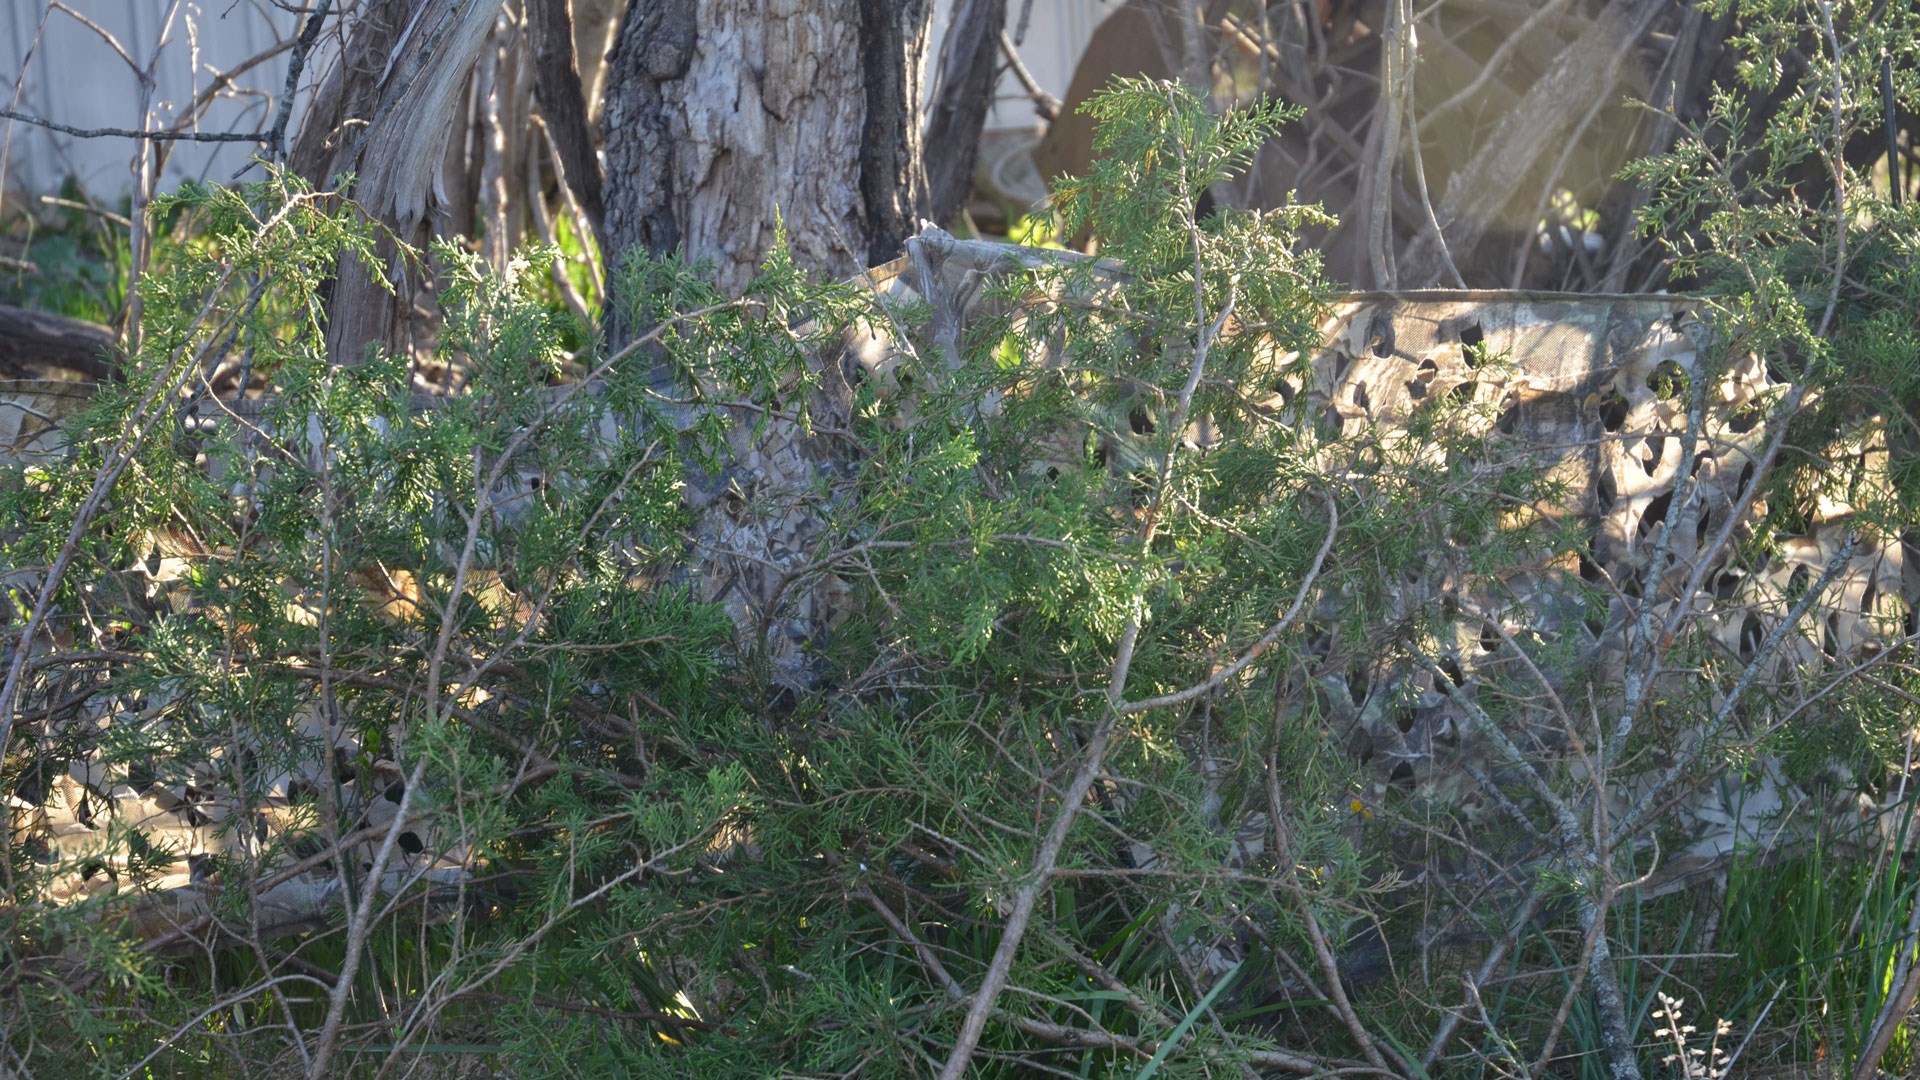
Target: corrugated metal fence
[{"x": 56, "y": 62}]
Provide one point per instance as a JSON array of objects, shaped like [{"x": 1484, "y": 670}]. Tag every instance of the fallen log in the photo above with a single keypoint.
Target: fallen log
[{"x": 41, "y": 345}]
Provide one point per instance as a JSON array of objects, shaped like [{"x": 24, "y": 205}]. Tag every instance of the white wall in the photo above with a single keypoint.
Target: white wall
[
  {"x": 1056, "y": 35},
  {"x": 65, "y": 72}
]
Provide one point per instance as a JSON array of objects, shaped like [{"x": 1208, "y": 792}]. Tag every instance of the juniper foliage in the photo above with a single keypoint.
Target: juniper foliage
[{"x": 630, "y": 852}]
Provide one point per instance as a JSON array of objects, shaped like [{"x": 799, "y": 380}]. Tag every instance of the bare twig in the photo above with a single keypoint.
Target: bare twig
[
  {"x": 131, "y": 133},
  {"x": 543, "y": 224},
  {"x": 1649, "y": 799},
  {"x": 1266, "y": 641},
  {"x": 1426, "y": 200},
  {"x": 1044, "y": 103},
  {"x": 434, "y": 1000},
  {"x": 1482, "y": 976},
  {"x": 101, "y": 32},
  {"x": 1493, "y": 1031},
  {"x": 276, "y": 136},
  {"x": 100, "y": 212},
  {"x": 928, "y": 958},
  {"x": 1494, "y": 63},
  {"x": 1837, "y": 162},
  {"x": 227, "y": 1002},
  {"x": 1890, "y": 119},
  {"x": 1316, "y": 937},
  {"x": 146, "y": 166}
]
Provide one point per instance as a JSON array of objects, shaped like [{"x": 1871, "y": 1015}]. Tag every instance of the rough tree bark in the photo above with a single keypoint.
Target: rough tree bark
[
  {"x": 557, "y": 87},
  {"x": 723, "y": 117},
  {"x": 969, "y": 61},
  {"x": 387, "y": 113},
  {"x": 721, "y": 114}
]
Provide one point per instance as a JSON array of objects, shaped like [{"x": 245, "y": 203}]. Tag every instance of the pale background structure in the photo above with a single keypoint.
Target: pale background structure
[{"x": 56, "y": 66}]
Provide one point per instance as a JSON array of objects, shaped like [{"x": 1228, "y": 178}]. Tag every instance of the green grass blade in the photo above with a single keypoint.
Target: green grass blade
[{"x": 1180, "y": 1029}]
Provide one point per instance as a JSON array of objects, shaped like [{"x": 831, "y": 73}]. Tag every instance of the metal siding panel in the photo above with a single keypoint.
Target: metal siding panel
[
  {"x": 1056, "y": 39},
  {"x": 77, "y": 79}
]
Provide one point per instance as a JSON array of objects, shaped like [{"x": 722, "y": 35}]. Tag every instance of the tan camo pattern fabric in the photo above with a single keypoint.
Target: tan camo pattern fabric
[{"x": 1579, "y": 381}]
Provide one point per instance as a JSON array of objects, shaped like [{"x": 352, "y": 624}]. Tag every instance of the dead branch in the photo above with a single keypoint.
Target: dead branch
[{"x": 31, "y": 342}]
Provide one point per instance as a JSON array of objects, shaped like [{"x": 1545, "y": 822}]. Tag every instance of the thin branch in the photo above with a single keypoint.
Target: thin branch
[
  {"x": 1890, "y": 119},
  {"x": 276, "y": 135},
  {"x": 102, "y": 33},
  {"x": 1482, "y": 977},
  {"x": 1214, "y": 681},
  {"x": 1648, "y": 799},
  {"x": 100, "y": 212},
  {"x": 1044, "y": 103},
  {"x": 223, "y": 82},
  {"x": 1495, "y": 62},
  {"x": 131, "y": 133},
  {"x": 928, "y": 959},
  {"x": 224, "y": 1003},
  {"x": 1426, "y": 204},
  {"x": 432, "y": 1003},
  {"x": 1836, "y": 159},
  {"x": 1316, "y": 937}
]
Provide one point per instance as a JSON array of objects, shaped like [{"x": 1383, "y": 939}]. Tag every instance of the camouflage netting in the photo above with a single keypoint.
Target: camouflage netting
[
  {"x": 1583, "y": 383},
  {"x": 1593, "y": 389}
]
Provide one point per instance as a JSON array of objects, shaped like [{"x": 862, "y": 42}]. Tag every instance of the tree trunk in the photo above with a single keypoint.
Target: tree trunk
[
  {"x": 563, "y": 103},
  {"x": 969, "y": 65},
  {"x": 388, "y": 113},
  {"x": 725, "y": 119},
  {"x": 723, "y": 116}
]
